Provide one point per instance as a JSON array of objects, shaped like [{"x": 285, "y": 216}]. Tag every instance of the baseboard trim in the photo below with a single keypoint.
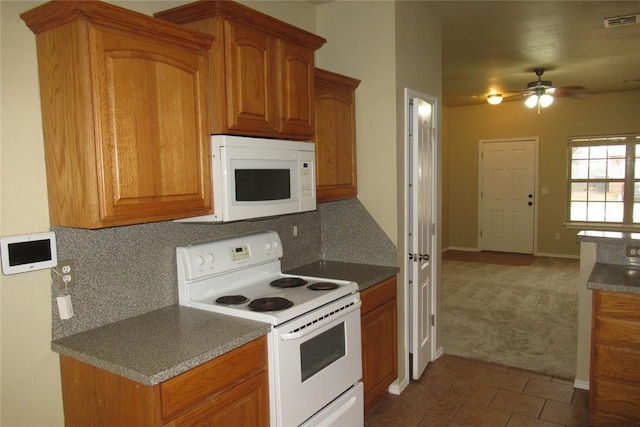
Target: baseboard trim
[
  {"x": 460, "y": 248},
  {"x": 439, "y": 353},
  {"x": 547, "y": 254},
  {"x": 550, "y": 255},
  {"x": 582, "y": 385},
  {"x": 398, "y": 387}
]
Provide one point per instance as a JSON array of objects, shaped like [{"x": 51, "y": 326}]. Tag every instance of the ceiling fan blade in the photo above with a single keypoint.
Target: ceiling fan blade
[
  {"x": 571, "y": 88},
  {"x": 571, "y": 92}
]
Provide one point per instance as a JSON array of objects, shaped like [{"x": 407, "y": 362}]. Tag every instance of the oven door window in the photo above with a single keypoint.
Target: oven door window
[
  {"x": 321, "y": 351},
  {"x": 255, "y": 185}
]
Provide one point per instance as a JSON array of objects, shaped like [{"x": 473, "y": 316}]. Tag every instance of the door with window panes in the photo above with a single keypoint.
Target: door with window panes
[{"x": 604, "y": 179}]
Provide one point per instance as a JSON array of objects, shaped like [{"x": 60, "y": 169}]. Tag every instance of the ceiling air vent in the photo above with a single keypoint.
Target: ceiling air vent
[{"x": 619, "y": 21}]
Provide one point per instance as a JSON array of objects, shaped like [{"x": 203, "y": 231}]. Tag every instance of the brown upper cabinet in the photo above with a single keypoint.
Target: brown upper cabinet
[
  {"x": 261, "y": 83},
  {"x": 124, "y": 113},
  {"x": 335, "y": 136}
]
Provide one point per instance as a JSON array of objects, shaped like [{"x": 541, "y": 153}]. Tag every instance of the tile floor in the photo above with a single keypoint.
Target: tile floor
[{"x": 455, "y": 391}]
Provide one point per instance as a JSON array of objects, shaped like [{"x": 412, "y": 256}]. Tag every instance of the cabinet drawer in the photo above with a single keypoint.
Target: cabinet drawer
[
  {"x": 213, "y": 377},
  {"x": 611, "y": 304},
  {"x": 616, "y": 399},
  {"x": 246, "y": 404},
  {"x": 617, "y": 364},
  {"x": 378, "y": 295},
  {"x": 617, "y": 331}
]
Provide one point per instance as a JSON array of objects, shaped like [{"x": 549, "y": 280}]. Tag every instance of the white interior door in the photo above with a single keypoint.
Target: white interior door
[
  {"x": 422, "y": 196},
  {"x": 507, "y": 195}
]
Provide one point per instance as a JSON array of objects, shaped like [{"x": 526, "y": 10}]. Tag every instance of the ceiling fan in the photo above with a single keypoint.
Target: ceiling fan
[{"x": 540, "y": 93}]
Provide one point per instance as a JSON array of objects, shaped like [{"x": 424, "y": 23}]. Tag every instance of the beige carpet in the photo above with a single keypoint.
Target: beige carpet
[{"x": 520, "y": 316}]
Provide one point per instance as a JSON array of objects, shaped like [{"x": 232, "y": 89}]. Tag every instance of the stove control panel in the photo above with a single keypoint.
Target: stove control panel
[
  {"x": 240, "y": 252},
  {"x": 223, "y": 256}
]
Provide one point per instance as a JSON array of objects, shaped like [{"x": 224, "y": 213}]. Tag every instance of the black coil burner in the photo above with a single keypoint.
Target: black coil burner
[
  {"x": 232, "y": 299},
  {"x": 323, "y": 286},
  {"x": 270, "y": 304},
  {"x": 288, "y": 282}
]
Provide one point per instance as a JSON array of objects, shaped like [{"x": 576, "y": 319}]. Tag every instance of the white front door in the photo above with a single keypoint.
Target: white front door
[
  {"x": 422, "y": 197},
  {"x": 507, "y": 195}
]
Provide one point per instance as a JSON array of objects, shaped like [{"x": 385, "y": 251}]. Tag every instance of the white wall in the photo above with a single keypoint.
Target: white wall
[
  {"x": 588, "y": 254},
  {"x": 30, "y": 386},
  {"x": 388, "y": 46},
  {"x": 361, "y": 44}
]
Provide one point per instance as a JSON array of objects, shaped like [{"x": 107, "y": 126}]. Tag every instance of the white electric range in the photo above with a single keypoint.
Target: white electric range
[{"x": 315, "y": 362}]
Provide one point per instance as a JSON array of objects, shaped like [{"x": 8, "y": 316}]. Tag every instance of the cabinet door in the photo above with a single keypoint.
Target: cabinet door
[
  {"x": 296, "y": 89},
  {"x": 251, "y": 98},
  {"x": 152, "y": 132},
  {"x": 379, "y": 350},
  {"x": 615, "y": 358},
  {"x": 335, "y": 136}
]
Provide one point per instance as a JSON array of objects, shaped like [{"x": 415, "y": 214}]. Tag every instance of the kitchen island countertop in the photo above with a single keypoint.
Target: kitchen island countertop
[
  {"x": 615, "y": 278},
  {"x": 161, "y": 344},
  {"x": 364, "y": 275}
]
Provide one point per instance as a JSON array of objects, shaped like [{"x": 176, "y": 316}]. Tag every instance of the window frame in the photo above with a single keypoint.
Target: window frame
[{"x": 631, "y": 141}]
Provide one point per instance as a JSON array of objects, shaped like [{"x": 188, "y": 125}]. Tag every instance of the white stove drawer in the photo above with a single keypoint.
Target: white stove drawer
[{"x": 346, "y": 411}]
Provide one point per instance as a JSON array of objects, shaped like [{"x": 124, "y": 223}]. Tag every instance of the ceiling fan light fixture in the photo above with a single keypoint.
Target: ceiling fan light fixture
[
  {"x": 494, "y": 98},
  {"x": 531, "y": 101},
  {"x": 546, "y": 100}
]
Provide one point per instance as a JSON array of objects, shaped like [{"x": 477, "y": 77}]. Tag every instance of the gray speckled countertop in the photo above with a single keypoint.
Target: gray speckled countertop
[
  {"x": 364, "y": 275},
  {"x": 161, "y": 344},
  {"x": 158, "y": 345},
  {"x": 615, "y": 278}
]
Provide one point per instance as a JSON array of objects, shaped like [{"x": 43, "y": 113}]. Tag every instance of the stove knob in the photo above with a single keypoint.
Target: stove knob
[
  {"x": 267, "y": 246},
  {"x": 199, "y": 260},
  {"x": 209, "y": 258},
  {"x": 275, "y": 244}
]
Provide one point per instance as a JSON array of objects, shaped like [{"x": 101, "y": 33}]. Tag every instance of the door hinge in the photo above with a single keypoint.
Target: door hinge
[
  {"x": 433, "y": 320},
  {"x": 480, "y": 233}
]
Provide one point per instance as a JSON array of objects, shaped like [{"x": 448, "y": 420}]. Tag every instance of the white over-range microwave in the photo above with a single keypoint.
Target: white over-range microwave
[{"x": 259, "y": 177}]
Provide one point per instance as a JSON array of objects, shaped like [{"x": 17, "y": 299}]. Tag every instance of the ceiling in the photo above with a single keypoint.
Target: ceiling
[{"x": 494, "y": 46}]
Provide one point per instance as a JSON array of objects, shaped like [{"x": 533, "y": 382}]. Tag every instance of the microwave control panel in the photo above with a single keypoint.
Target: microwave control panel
[{"x": 306, "y": 180}]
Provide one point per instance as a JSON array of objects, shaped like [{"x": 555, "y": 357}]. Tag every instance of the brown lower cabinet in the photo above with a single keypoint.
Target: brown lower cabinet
[
  {"x": 379, "y": 323},
  {"x": 230, "y": 390},
  {"x": 614, "y": 395}
]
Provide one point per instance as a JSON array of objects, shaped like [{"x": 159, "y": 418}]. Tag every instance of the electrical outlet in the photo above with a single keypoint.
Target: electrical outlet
[
  {"x": 66, "y": 277},
  {"x": 633, "y": 251}
]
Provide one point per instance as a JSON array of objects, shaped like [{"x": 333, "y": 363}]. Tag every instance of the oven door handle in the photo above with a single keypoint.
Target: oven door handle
[{"x": 317, "y": 325}]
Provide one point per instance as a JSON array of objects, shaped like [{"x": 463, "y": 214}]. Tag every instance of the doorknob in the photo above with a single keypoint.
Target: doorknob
[{"x": 420, "y": 257}]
